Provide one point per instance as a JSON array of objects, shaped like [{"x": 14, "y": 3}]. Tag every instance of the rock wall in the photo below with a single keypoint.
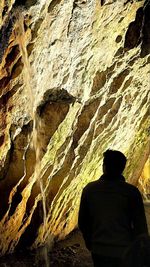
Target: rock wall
[{"x": 75, "y": 73}]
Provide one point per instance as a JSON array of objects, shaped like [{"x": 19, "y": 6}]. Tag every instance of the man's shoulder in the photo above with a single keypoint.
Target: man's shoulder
[
  {"x": 96, "y": 185},
  {"x": 91, "y": 186},
  {"x": 132, "y": 188}
]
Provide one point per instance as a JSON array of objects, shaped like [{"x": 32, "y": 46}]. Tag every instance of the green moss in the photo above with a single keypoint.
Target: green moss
[
  {"x": 59, "y": 137},
  {"x": 137, "y": 153}
]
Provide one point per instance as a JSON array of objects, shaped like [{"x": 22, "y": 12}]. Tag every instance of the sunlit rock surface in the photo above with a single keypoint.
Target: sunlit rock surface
[{"x": 87, "y": 64}]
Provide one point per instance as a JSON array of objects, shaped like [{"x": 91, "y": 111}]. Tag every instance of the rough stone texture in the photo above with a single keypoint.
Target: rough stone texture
[
  {"x": 144, "y": 180},
  {"x": 77, "y": 73}
]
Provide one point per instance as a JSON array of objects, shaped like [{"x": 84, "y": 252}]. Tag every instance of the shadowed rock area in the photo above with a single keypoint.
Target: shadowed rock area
[{"x": 74, "y": 81}]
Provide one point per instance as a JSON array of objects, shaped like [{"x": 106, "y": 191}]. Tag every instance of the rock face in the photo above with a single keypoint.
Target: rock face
[{"x": 74, "y": 78}]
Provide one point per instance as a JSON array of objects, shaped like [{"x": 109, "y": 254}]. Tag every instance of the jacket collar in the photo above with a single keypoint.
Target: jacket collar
[{"x": 108, "y": 177}]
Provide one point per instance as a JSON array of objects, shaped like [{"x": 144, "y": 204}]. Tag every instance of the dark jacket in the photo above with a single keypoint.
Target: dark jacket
[
  {"x": 111, "y": 215},
  {"x": 138, "y": 254}
]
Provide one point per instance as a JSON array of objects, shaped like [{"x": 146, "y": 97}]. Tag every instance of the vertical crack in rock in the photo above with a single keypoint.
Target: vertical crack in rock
[
  {"x": 53, "y": 5},
  {"x": 5, "y": 33},
  {"x": 138, "y": 31},
  {"x": 133, "y": 34},
  {"x": 117, "y": 81},
  {"x": 145, "y": 48},
  {"x": 98, "y": 81}
]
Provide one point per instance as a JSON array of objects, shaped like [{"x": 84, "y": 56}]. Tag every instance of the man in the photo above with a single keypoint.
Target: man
[{"x": 111, "y": 213}]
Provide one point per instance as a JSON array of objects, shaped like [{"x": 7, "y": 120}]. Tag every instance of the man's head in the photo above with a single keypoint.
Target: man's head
[{"x": 114, "y": 162}]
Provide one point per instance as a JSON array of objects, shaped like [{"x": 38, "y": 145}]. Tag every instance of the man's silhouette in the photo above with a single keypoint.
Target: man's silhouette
[{"x": 111, "y": 214}]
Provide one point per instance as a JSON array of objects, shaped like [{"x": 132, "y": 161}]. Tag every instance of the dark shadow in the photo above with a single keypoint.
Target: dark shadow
[
  {"x": 145, "y": 48},
  {"x": 31, "y": 231},
  {"x": 15, "y": 201},
  {"x": 138, "y": 253},
  {"x": 133, "y": 34}
]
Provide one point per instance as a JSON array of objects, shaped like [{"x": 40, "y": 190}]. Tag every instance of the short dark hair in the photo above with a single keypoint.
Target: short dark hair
[{"x": 114, "y": 161}]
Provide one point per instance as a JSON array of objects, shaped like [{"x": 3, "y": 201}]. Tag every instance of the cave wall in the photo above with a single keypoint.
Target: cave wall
[{"x": 83, "y": 67}]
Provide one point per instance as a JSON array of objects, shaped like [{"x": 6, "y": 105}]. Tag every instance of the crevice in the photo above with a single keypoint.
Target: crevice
[
  {"x": 4, "y": 99},
  {"x": 5, "y": 9},
  {"x": 145, "y": 47},
  {"x": 2, "y": 139},
  {"x": 127, "y": 83},
  {"x": 101, "y": 114},
  {"x": 133, "y": 34},
  {"x": 119, "y": 52},
  {"x": 52, "y": 5},
  {"x": 133, "y": 60},
  {"x": 4, "y": 168},
  {"x": 129, "y": 1},
  {"x": 118, "y": 81},
  {"x": 98, "y": 81},
  {"x": 17, "y": 69},
  {"x": 15, "y": 72},
  {"x": 84, "y": 120},
  {"x": 13, "y": 54},
  {"x": 35, "y": 29},
  {"x": 113, "y": 111},
  {"x": 4, "y": 82},
  {"x": 71, "y": 16},
  {"x": 25, "y": 3},
  {"x": 5, "y": 189},
  {"x": 110, "y": 70},
  {"x": 5, "y": 33},
  {"x": 15, "y": 201},
  {"x": 31, "y": 232},
  {"x": 30, "y": 47}
]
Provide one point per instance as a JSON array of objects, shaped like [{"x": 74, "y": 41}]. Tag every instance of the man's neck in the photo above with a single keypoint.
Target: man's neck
[{"x": 112, "y": 177}]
